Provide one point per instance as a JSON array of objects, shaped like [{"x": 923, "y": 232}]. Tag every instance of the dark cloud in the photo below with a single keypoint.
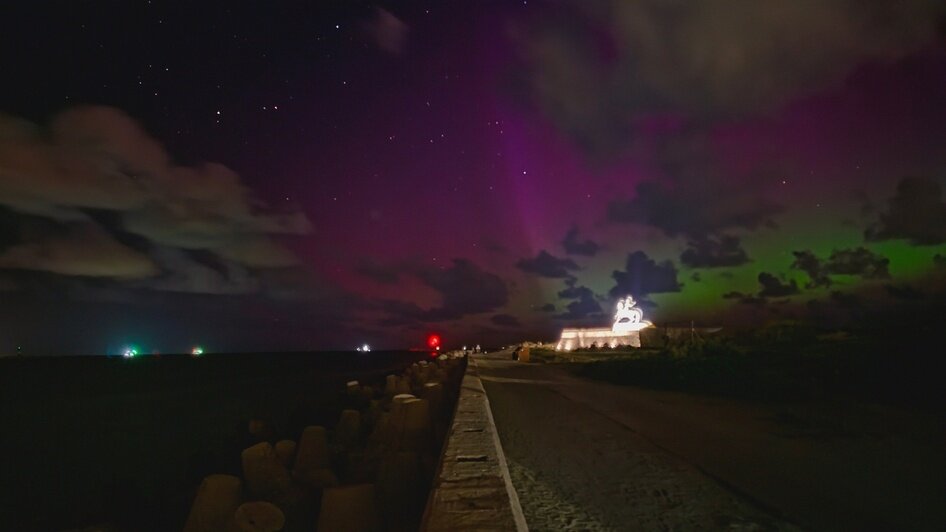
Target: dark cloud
[
  {"x": 709, "y": 252},
  {"x": 505, "y": 320},
  {"x": 745, "y": 299},
  {"x": 770, "y": 287},
  {"x": 548, "y": 307},
  {"x": 593, "y": 67},
  {"x": 93, "y": 163},
  {"x": 904, "y": 292},
  {"x": 574, "y": 246},
  {"x": 464, "y": 289},
  {"x": 916, "y": 213},
  {"x": 859, "y": 261},
  {"x": 571, "y": 291},
  {"x": 585, "y": 304},
  {"x": 81, "y": 249},
  {"x": 184, "y": 272},
  {"x": 681, "y": 205},
  {"x": 809, "y": 263},
  {"x": 547, "y": 265},
  {"x": 847, "y": 300},
  {"x": 643, "y": 276},
  {"x": 495, "y": 247},
  {"x": 377, "y": 272},
  {"x": 773, "y": 287}
]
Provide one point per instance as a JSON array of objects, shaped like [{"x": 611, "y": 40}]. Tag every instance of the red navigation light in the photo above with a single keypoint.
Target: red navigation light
[{"x": 433, "y": 341}]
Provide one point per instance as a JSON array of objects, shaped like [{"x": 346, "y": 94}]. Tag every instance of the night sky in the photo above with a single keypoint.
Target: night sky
[{"x": 315, "y": 175}]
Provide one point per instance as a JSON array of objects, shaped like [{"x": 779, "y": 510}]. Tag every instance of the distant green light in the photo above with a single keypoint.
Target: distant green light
[{"x": 197, "y": 350}]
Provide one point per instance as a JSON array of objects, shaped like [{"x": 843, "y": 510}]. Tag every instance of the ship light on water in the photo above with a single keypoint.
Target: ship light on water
[
  {"x": 363, "y": 349},
  {"x": 197, "y": 351},
  {"x": 130, "y": 352}
]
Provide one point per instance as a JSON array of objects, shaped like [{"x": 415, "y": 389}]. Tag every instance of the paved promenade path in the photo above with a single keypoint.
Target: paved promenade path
[{"x": 586, "y": 455}]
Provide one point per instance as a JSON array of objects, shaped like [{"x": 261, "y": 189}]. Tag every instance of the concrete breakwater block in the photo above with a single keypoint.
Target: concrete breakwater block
[
  {"x": 353, "y": 388},
  {"x": 285, "y": 452},
  {"x": 350, "y": 509},
  {"x": 312, "y": 452},
  {"x": 258, "y": 516},
  {"x": 313, "y": 466},
  {"x": 399, "y": 488},
  {"x": 217, "y": 499},
  {"x": 394, "y": 422},
  {"x": 390, "y": 385},
  {"x": 372, "y": 413},
  {"x": 383, "y": 429},
  {"x": 348, "y": 429},
  {"x": 366, "y": 393},
  {"x": 265, "y": 476},
  {"x": 415, "y": 431},
  {"x": 403, "y": 385},
  {"x": 433, "y": 392},
  {"x": 316, "y": 478}
]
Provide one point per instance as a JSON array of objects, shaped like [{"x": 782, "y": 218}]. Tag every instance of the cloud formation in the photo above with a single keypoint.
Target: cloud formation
[
  {"x": 710, "y": 252},
  {"x": 680, "y": 205},
  {"x": 94, "y": 161},
  {"x": 916, "y": 213},
  {"x": 81, "y": 249},
  {"x": 547, "y": 265},
  {"x": 745, "y": 299},
  {"x": 464, "y": 289},
  {"x": 585, "y": 304},
  {"x": 642, "y": 276},
  {"x": 575, "y": 246},
  {"x": 859, "y": 261},
  {"x": 770, "y": 286},
  {"x": 904, "y": 292},
  {"x": 592, "y": 67},
  {"x": 809, "y": 263},
  {"x": 773, "y": 287},
  {"x": 505, "y": 320},
  {"x": 377, "y": 272}
]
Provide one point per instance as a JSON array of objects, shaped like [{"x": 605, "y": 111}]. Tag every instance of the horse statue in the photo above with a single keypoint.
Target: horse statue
[{"x": 627, "y": 317}]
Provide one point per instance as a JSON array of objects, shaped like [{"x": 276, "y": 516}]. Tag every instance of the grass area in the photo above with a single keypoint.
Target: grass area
[
  {"x": 793, "y": 365},
  {"x": 551, "y": 356}
]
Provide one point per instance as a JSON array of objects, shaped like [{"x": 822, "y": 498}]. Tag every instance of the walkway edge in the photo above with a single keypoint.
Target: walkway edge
[
  {"x": 472, "y": 489},
  {"x": 517, "y": 514}
]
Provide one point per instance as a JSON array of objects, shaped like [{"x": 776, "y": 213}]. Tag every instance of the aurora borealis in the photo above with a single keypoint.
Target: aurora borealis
[{"x": 329, "y": 174}]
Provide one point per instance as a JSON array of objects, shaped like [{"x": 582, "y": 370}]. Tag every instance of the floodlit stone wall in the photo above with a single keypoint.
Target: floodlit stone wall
[{"x": 603, "y": 337}]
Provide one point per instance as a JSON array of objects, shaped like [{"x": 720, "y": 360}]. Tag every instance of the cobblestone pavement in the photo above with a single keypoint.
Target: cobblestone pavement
[
  {"x": 575, "y": 469},
  {"x": 586, "y": 455}
]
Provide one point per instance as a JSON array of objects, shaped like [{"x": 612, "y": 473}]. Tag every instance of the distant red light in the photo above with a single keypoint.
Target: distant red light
[{"x": 433, "y": 341}]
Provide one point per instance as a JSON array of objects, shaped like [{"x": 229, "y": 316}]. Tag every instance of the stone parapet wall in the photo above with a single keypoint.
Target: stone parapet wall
[
  {"x": 472, "y": 489},
  {"x": 603, "y": 337}
]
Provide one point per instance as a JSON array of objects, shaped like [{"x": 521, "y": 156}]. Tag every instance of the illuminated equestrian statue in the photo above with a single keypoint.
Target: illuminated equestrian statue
[{"x": 628, "y": 322}]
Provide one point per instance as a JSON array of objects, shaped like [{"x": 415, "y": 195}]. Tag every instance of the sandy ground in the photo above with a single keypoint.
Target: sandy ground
[{"x": 586, "y": 455}]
